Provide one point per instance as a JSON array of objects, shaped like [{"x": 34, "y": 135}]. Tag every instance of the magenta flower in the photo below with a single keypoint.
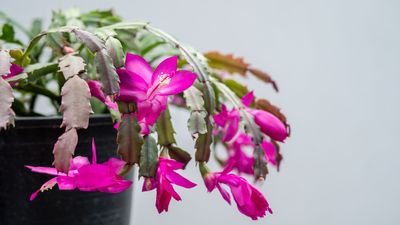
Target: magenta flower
[
  {"x": 249, "y": 200},
  {"x": 228, "y": 122},
  {"x": 85, "y": 176},
  {"x": 165, "y": 177},
  {"x": 150, "y": 89},
  {"x": 241, "y": 159},
  {"x": 97, "y": 92},
  {"x": 241, "y": 153},
  {"x": 14, "y": 71},
  {"x": 268, "y": 123}
]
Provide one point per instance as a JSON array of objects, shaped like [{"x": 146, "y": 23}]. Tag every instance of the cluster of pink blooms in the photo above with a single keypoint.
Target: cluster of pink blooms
[{"x": 149, "y": 90}]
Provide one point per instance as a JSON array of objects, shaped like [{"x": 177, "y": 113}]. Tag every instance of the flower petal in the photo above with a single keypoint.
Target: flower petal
[
  {"x": 233, "y": 126},
  {"x": 179, "y": 82},
  {"x": 224, "y": 194},
  {"x": 97, "y": 92},
  {"x": 45, "y": 170},
  {"x": 132, "y": 87},
  {"x": 139, "y": 66},
  {"x": 270, "y": 124},
  {"x": 166, "y": 67},
  {"x": 270, "y": 152},
  {"x": 178, "y": 179},
  {"x": 248, "y": 98}
]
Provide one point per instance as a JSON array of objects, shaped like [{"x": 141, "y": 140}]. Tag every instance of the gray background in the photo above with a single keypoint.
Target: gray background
[{"x": 337, "y": 65}]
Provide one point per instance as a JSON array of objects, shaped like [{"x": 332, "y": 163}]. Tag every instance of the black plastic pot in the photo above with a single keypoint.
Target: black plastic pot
[{"x": 31, "y": 143}]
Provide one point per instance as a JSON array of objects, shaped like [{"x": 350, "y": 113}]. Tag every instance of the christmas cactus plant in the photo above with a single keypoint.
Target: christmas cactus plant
[{"x": 96, "y": 63}]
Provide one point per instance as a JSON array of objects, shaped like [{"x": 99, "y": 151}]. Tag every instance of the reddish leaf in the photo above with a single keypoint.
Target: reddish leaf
[
  {"x": 64, "y": 149},
  {"x": 75, "y": 104},
  {"x": 232, "y": 64}
]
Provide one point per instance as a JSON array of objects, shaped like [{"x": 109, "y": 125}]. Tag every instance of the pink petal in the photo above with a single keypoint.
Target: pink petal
[
  {"x": 163, "y": 199},
  {"x": 224, "y": 194},
  {"x": 94, "y": 156},
  {"x": 166, "y": 67},
  {"x": 45, "y": 170},
  {"x": 34, "y": 195},
  {"x": 270, "y": 152},
  {"x": 149, "y": 184},
  {"x": 79, "y": 161},
  {"x": 157, "y": 107},
  {"x": 233, "y": 126},
  {"x": 117, "y": 187},
  {"x": 66, "y": 183},
  {"x": 270, "y": 124},
  {"x": 97, "y": 92},
  {"x": 14, "y": 70},
  {"x": 248, "y": 98},
  {"x": 140, "y": 66},
  {"x": 179, "y": 82},
  {"x": 210, "y": 180},
  {"x": 171, "y": 163},
  {"x": 177, "y": 179},
  {"x": 115, "y": 165},
  {"x": 132, "y": 87},
  {"x": 168, "y": 187},
  {"x": 220, "y": 118}
]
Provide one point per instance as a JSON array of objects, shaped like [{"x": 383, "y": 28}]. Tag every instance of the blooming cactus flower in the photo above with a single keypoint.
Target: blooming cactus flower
[
  {"x": 249, "y": 200},
  {"x": 240, "y": 159},
  {"x": 95, "y": 91},
  {"x": 228, "y": 121},
  {"x": 165, "y": 177},
  {"x": 241, "y": 153},
  {"x": 268, "y": 123},
  {"x": 150, "y": 89},
  {"x": 85, "y": 176}
]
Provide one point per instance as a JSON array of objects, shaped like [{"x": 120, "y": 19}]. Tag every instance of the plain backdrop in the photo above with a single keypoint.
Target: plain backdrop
[{"x": 337, "y": 63}]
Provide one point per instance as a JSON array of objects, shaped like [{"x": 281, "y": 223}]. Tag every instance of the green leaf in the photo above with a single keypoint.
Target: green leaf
[
  {"x": 150, "y": 47},
  {"x": 36, "y": 27},
  {"x": 203, "y": 145},
  {"x": 38, "y": 70},
  {"x": 179, "y": 155},
  {"x": 91, "y": 41},
  {"x": 148, "y": 157},
  {"x": 239, "y": 89},
  {"x": 165, "y": 129},
  {"x": 194, "y": 99},
  {"x": 114, "y": 49},
  {"x": 260, "y": 165},
  {"x": 129, "y": 139},
  {"x": 104, "y": 64},
  {"x": 106, "y": 70},
  {"x": 197, "y": 123}
]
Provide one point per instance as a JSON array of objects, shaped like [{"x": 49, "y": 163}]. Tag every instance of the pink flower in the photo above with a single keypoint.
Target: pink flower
[
  {"x": 85, "y": 176},
  {"x": 241, "y": 159},
  {"x": 249, "y": 200},
  {"x": 228, "y": 121},
  {"x": 268, "y": 123},
  {"x": 165, "y": 177},
  {"x": 14, "y": 70},
  {"x": 241, "y": 153},
  {"x": 95, "y": 91},
  {"x": 150, "y": 89}
]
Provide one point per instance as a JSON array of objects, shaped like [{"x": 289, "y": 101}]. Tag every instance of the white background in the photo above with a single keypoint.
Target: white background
[{"x": 337, "y": 66}]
